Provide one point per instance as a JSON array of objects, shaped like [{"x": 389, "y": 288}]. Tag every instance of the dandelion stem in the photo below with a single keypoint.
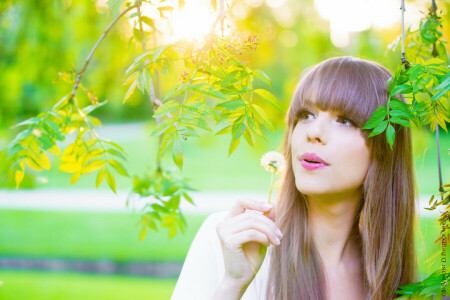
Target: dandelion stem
[{"x": 270, "y": 190}]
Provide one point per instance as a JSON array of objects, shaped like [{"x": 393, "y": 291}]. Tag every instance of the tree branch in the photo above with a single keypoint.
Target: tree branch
[{"x": 88, "y": 59}]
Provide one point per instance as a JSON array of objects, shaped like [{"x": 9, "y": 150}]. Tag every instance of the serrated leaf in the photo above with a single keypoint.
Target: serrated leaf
[
  {"x": 263, "y": 76},
  {"x": 261, "y": 117},
  {"x": 31, "y": 121},
  {"x": 230, "y": 78},
  {"x": 32, "y": 164},
  {"x": 114, "y": 6},
  {"x": 166, "y": 141},
  {"x": 93, "y": 166},
  {"x": 379, "y": 128},
  {"x": 231, "y": 105},
  {"x": 166, "y": 108},
  {"x": 248, "y": 136},
  {"x": 224, "y": 130},
  {"x": 130, "y": 90},
  {"x": 238, "y": 128},
  {"x": 161, "y": 127},
  {"x": 100, "y": 176},
  {"x": 402, "y": 122},
  {"x": 116, "y": 153},
  {"x": 377, "y": 117},
  {"x": 269, "y": 97},
  {"x": 69, "y": 167},
  {"x": 111, "y": 181},
  {"x": 18, "y": 177},
  {"x": 54, "y": 150},
  {"x": 75, "y": 177},
  {"x": 143, "y": 232},
  {"x": 177, "y": 153},
  {"x": 233, "y": 145},
  {"x": 390, "y": 135},
  {"x": 118, "y": 167}
]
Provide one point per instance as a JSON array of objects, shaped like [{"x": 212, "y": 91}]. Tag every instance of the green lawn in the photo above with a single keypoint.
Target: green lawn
[
  {"x": 208, "y": 167},
  {"x": 112, "y": 236},
  {"x": 39, "y": 285}
]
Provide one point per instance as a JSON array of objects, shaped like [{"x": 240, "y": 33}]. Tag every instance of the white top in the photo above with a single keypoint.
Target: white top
[{"x": 204, "y": 266}]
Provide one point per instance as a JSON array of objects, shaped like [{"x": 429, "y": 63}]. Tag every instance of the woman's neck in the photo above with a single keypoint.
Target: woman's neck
[{"x": 331, "y": 220}]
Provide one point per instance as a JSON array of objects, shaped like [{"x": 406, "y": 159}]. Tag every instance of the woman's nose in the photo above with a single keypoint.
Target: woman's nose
[{"x": 316, "y": 132}]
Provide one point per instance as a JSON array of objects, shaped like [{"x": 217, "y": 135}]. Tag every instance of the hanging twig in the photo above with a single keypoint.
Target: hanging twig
[
  {"x": 435, "y": 54},
  {"x": 404, "y": 61},
  {"x": 88, "y": 59}
]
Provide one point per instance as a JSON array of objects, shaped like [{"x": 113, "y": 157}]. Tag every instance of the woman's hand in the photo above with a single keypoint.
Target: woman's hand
[{"x": 245, "y": 236}]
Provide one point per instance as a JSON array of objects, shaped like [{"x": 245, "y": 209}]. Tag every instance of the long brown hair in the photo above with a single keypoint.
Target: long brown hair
[{"x": 385, "y": 219}]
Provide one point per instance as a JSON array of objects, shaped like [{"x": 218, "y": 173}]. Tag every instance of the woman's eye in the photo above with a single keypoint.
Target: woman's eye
[
  {"x": 304, "y": 113},
  {"x": 347, "y": 121}
]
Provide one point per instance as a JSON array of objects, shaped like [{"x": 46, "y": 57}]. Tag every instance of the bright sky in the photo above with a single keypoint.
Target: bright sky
[{"x": 194, "y": 21}]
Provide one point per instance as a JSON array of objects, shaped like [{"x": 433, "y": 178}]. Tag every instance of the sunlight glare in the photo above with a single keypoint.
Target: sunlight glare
[{"x": 193, "y": 22}]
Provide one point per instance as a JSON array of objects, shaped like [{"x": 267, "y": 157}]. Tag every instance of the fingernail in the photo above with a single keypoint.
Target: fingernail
[
  {"x": 277, "y": 241},
  {"x": 267, "y": 205},
  {"x": 279, "y": 233}
]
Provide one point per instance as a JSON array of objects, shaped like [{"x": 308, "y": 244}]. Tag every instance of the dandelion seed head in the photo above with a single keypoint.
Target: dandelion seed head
[{"x": 273, "y": 162}]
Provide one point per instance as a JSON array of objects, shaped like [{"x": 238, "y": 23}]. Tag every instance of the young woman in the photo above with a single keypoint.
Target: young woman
[{"x": 345, "y": 214}]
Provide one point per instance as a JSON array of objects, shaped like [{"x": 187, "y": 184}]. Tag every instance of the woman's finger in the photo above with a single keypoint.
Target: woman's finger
[
  {"x": 251, "y": 235},
  {"x": 244, "y": 203}
]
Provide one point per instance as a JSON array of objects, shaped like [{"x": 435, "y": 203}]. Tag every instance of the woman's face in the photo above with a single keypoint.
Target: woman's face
[{"x": 336, "y": 140}]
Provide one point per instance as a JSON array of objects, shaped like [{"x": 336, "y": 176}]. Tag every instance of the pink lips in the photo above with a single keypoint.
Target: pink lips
[{"x": 317, "y": 163}]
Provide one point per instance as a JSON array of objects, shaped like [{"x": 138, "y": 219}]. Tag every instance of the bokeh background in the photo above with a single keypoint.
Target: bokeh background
[{"x": 63, "y": 241}]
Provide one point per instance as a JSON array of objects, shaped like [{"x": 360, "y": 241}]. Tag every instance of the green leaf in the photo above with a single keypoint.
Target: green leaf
[
  {"x": 233, "y": 145},
  {"x": 198, "y": 122},
  {"x": 75, "y": 177},
  {"x": 231, "y": 105},
  {"x": 166, "y": 141},
  {"x": 166, "y": 108},
  {"x": 248, "y": 136},
  {"x": 100, "y": 177},
  {"x": 224, "y": 130},
  {"x": 114, "y": 6},
  {"x": 131, "y": 90},
  {"x": 118, "y": 167},
  {"x": 377, "y": 117},
  {"x": 31, "y": 121},
  {"x": 111, "y": 181},
  {"x": 390, "y": 135},
  {"x": 230, "y": 78},
  {"x": 114, "y": 152},
  {"x": 93, "y": 166},
  {"x": 144, "y": 81},
  {"x": 148, "y": 21},
  {"x": 161, "y": 127},
  {"x": 262, "y": 75},
  {"x": 238, "y": 128},
  {"x": 379, "y": 128},
  {"x": 209, "y": 91},
  {"x": 269, "y": 97},
  {"x": 115, "y": 145},
  {"x": 401, "y": 89},
  {"x": 177, "y": 153},
  {"x": 400, "y": 121},
  {"x": 396, "y": 104},
  {"x": 261, "y": 117},
  {"x": 401, "y": 113}
]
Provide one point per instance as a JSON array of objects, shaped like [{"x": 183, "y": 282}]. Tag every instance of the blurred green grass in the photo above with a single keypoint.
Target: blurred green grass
[
  {"x": 207, "y": 166},
  {"x": 113, "y": 236},
  {"x": 38, "y": 285},
  {"x": 106, "y": 236}
]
